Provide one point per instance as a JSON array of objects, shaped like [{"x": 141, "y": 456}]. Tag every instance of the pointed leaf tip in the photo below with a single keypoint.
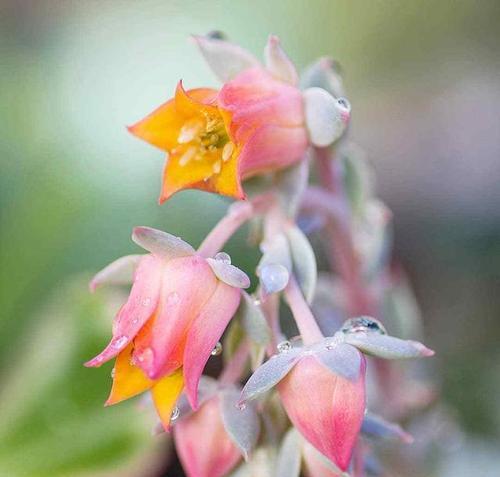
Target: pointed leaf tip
[
  {"x": 119, "y": 272},
  {"x": 278, "y": 63},
  {"x": 161, "y": 243}
]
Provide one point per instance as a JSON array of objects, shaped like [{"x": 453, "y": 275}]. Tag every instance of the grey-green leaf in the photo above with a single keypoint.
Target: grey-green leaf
[
  {"x": 290, "y": 455},
  {"x": 252, "y": 320},
  {"x": 161, "y": 243}
]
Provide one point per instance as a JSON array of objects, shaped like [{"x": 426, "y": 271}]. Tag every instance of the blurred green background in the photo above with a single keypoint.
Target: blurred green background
[{"x": 422, "y": 77}]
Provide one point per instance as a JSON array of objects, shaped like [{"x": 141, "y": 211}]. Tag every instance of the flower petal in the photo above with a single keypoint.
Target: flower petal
[
  {"x": 165, "y": 393},
  {"x": 161, "y": 128},
  {"x": 342, "y": 359},
  {"x": 229, "y": 274},
  {"x": 128, "y": 380},
  {"x": 241, "y": 422},
  {"x": 278, "y": 62},
  {"x": 119, "y": 272},
  {"x": 188, "y": 284},
  {"x": 204, "y": 334},
  {"x": 161, "y": 243},
  {"x": 272, "y": 147},
  {"x": 225, "y": 59},
  {"x": 216, "y": 454},
  {"x": 326, "y": 117},
  {"x": 269, "y": 374},
  {"x": 328, "y": 413},
  {"x": 140, "y": 306},
  {"x": 387, "y": 347}
]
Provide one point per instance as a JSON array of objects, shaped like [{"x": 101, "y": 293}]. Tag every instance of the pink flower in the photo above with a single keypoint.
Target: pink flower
[
  {"x": 203, "y": 445},
  {"x": 178, "y": 307},
  {"x": 326, "y": 408},
  {"x": 216, "y": 139}
]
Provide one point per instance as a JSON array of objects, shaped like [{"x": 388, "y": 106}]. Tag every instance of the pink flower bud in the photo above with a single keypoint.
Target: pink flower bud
[
  {"x": 203, "y": 445},
  {"x": 326, "y": 408}
]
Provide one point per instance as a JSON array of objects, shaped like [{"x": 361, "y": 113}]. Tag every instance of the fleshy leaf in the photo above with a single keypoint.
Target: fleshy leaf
[
  {"x": 387, "y": 347},
  {"x": 225, "y": 59},
  {"x": 289, "y": 456},
  {"x": 229, "y": 273},
  {"x": 278, "y": 62},
  {"x": 290, "y": 184},
  {"x": 326, "y": 116},
  {"x": 241, "y": 422},
  {"x": 269, "y": 374},
  {"x": 161, "y": 243},
  {"x": 252, "y": 320},
  {"x": 325, "y": 73},
  {"x": 304, "y": 261},
  {"x": 341, "y": 359},
  {"x": 119, "y": 272},
  {"x": 376, "y": 426}
]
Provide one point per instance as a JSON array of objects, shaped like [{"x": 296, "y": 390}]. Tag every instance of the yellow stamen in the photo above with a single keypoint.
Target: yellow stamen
[{"x": 227, "y": 151}]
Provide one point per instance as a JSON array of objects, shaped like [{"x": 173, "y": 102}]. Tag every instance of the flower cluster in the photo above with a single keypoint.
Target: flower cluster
[{"x": 269, "y": 124}]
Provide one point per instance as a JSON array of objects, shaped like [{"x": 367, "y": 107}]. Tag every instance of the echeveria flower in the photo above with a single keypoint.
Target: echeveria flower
[
  {"x": 179, "y": 305},
  {"x": 254, "y": 124},
  {"x": 322, "y": 385}
]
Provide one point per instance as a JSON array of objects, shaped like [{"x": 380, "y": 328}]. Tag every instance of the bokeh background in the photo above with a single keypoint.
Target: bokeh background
[{"x": 423, "y": 79}]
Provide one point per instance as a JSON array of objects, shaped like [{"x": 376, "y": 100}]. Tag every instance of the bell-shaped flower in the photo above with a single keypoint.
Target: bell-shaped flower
[
  {"x": 256, "y": 123},
  {"x": 322, "y": 385},
  {"x": 179, "y": 306},
  {"x": 233, "y": 431}
]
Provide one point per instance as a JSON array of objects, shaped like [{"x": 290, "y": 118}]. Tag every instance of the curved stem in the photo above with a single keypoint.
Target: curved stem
[{"x": 302, "y": 314}]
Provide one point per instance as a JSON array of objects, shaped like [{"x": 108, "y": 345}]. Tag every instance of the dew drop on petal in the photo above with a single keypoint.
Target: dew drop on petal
[
  {"x": 363, "y": 324},
  {"x": 146, "y": 301},
  {"x": 223, "y": 257},
  {"x": 284, "y": 347},
  {"x": 172, "y": 298},
  {"x": 135, "y": 321},
  {"x": 241, "y": 406},
  {"x": 257, "y": 302},
  {"x": 145, "y": 355},
  {"x": 217, "y": 349},
  {"x": 175, "y": 413},
  {"x": 120, "y": 342}
]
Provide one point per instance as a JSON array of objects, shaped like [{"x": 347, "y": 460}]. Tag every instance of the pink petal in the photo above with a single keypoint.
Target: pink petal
[
  {"x": 272, "y": 147},
  {"x": 328, "y": 414},
  {"x": 204, "y": 334},
  {"x": 140, "y": 306},
  {"x": 255, "y": 98},
  {"x": 278, "y": 62},
  {"x": 211, "y": 457},
  {"x": 188, "y": 284}
]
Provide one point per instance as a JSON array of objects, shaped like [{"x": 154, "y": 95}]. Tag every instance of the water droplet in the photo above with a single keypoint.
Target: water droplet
[
  {"x": 223, "y": 257},
  {"x": 173, "y": 298},
  {"x": 257, "y": 302},
  {"x": 146, "y": 301},
  {"x": 175, "y": 413},
  {"x": 145, "y": 355},
  {"x": 363, "y": 324},
  {"x": 120, "y": 342},
  {"x": 217, "y": 349},
  {"x": 284, "y": 347},
  {"x": 241, "y": 406},
  {"x": 227, "y": 151},
  {"x": 135, "y": 321},
  {"x": 329, "y": 346},
  {"x": 113, "y": 373},
  {"x": 274, "y": 277}
]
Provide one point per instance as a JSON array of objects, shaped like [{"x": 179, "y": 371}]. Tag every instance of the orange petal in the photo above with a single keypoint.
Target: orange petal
[
  {"x": 128, "y": 380},
  {"x": 165, "y": 394},
  {"x": 195, "y": 101}
]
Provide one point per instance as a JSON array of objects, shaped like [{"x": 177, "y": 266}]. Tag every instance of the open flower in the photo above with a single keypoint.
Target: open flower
[
  {"x": 322, "y": 385},
  {"x": 179, "y": 305},
  {"x": 254, "y": 124}
]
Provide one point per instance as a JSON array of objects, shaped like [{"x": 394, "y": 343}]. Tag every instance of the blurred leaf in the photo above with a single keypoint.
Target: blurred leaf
[{"x": 53, "y": 422}]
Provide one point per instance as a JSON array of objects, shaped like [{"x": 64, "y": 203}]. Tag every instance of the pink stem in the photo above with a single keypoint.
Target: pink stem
[
  {"x": 302, "y": 314},
  {"x": 238, "y": 213},
  {"x": 235, "y": 367}
]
